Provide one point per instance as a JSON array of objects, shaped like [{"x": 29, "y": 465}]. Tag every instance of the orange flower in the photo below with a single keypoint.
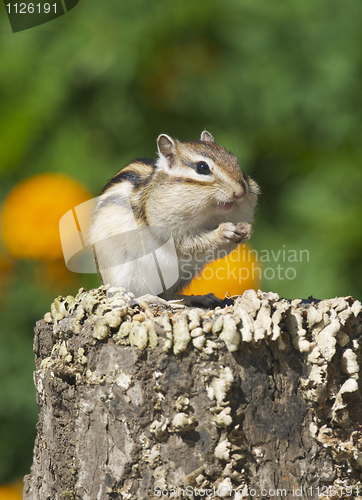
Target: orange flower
[
  {"x": 233, "y": 274},
  {"x": 31, "y": 213},
  {"x": 11, "y": 491}
]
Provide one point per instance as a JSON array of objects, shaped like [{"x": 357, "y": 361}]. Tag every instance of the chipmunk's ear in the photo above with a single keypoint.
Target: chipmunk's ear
[
  {"x": 166, "y": 148},
  {"x": 206, "y": 136}
]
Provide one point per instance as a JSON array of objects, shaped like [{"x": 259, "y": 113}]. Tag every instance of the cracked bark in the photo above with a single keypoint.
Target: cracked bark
[{"x": 260, "y": 399}]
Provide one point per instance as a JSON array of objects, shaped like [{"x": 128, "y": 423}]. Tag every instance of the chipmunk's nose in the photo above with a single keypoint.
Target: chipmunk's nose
[{"x": 239, "y": 192}]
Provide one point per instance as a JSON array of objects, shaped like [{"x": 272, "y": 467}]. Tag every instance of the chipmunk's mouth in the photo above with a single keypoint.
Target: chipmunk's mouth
[{"x": 225, "y": 206}]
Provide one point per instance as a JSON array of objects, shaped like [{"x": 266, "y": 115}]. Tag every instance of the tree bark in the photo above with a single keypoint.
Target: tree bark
[{"x": 154, "y": 400}]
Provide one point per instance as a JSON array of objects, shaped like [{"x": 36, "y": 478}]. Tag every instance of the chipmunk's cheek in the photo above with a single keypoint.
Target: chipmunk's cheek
[{"x": 225, "y": 206}]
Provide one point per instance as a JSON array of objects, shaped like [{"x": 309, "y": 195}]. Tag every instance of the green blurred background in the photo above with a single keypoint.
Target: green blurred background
[{"x": 277, "y": 83}]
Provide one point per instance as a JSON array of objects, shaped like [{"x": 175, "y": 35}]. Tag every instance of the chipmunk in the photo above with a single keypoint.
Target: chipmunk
[{"x": 193, "y": 200}]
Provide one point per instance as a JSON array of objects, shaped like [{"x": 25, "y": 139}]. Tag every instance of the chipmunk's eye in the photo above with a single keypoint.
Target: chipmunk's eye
[{"x": 203, "y": 168}]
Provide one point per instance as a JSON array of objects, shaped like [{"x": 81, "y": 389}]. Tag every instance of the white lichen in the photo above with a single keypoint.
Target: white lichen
[
  {"x": 194, "y": 317},
  {"x": 349, "y": 362},
  {"x": 181, "y": 334},
  {"x": 138, "y": 335},
  {"x": 281, "y": 308},
  {"x": 224, "y": 419},
  {"x": 217, "y": 326},
  {"x": 64, "y": 353},
  {"x": 58, "y": 309},
  {"x": 207, "y": 326},
  {"x": 100, "y": 328},
  {"x": 326, "y": 339},
  {"x": 247, "y": 329},
  {"x": 262, "y": 323},
  {"x": 48, "y": 318},
  {"x": 196, "y": 332},
  {"x": 199, "y": 342},
  {"x": 160, "y": 428},
  {"x": 114, "y": 317},
  {"x": 222, "y": 450},
  {"x": 356, "y": 308},
  {"x": 183, "y": 423},
  {"x": 210, "y": 346},
  {"x": 229, "y": 333},
  {"x": 123, "y": 380},
  {"x": 80, "y": 356},
  {"x": 124, "y": 330},
  {"x": 220, "y": 386},
  {"x": 250, "y": 302},
  {"x": 152, "y": 334},
  {"x": 224, "y": 488},
  {"x": 164, "y": 322}
]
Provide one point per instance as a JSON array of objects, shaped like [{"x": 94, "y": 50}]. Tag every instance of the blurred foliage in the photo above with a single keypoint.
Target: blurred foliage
[{"x": 276, "y": 83}]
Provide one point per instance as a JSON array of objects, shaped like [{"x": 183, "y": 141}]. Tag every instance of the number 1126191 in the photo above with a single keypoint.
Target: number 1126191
[{"x": 30, "y": 8}]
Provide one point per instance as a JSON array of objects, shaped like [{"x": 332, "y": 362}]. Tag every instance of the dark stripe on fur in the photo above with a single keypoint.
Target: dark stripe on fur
[
  {"x": 148, "y": 161},
  {"x": 132, "y": 176}
]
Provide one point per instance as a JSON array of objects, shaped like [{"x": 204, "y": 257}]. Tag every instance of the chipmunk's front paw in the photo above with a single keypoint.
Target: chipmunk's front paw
[
  {"x": 246, "y": 231},
  {"x": 235, "y": 233}
]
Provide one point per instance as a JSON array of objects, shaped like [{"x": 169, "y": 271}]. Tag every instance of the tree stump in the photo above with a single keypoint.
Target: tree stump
[{"x": 155, "y": 400}]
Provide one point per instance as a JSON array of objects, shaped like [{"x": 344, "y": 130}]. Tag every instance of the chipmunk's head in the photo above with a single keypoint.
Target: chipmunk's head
[{"x": 212, "y": 173}]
